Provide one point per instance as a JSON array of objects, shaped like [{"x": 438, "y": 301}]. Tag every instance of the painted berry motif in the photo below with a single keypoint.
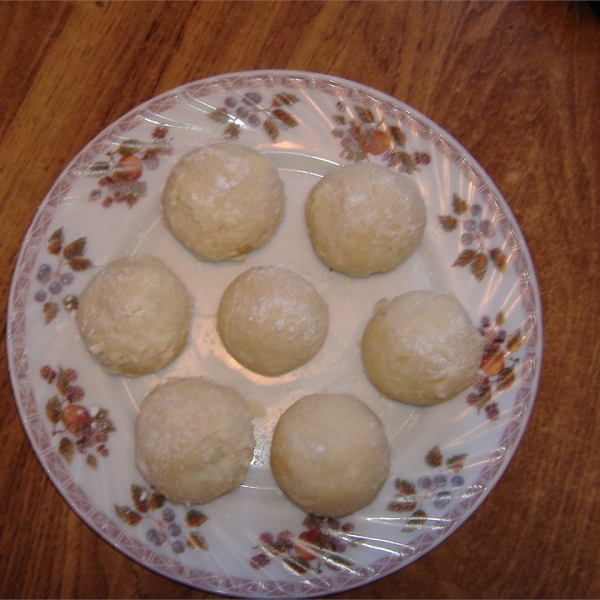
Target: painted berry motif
[
  {"x": 433, "y": 489},
  {"x": 322, "y": 543},
  {"x": 362, "y": 135},
  {"x": 55, "y": 279},
  {"x": 497, "y": 369},
  {"x": 80, "y": 429},
  {"x": 120, "y": 175},
  {"x": 250, "y": 111},
  {"x": 476, "y": 231},
  {"x": 165, "y": 527}
]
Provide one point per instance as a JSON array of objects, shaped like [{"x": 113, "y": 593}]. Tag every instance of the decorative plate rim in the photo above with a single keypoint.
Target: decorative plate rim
[{"x": 98, "y": 521}]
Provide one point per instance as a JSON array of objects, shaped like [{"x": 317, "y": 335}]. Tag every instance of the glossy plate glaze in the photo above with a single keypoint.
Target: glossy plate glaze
[{"x": 254, "y": 542}]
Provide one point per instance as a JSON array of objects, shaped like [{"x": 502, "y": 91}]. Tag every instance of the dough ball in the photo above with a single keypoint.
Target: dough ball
[
  {"x": 194, "y": 439},
  {"x": 271, "y": 320},
  {"x": 421, "y": 348},
  {"x": 134, "y": 316},
  {"x": 365, "y": 219},
  {"x": 222, "y": 201},
  {"x": 330, "y": 455}
]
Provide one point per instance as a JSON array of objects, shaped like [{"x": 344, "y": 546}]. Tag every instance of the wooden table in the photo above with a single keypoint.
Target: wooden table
[{"x": 516, "y": 83}]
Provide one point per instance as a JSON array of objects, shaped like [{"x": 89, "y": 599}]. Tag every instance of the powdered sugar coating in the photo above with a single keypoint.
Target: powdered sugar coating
[
  {"x": 365, "y": 219},
  {"x": 222, "y": 201},
  {"x": 271, "y": 320},
  {"x": 330, "y": 454},
  {"x": 421, "y": 348},
  {"x": 134, "y": 316},
  {"x": 194, "y": 439}
]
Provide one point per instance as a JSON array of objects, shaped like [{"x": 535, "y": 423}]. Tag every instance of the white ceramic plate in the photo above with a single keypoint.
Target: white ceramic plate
[{"x": 445, "y": 459}]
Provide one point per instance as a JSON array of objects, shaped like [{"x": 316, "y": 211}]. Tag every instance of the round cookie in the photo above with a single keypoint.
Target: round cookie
[
  {"x": 329, "y": 454},
  {"x": 194, "y": 439},
  {"x": 134, "y": 316},
  {"x": 271, "y": 320},
  {"x": 222, "y": 201},
  {"x": 365, "y": 219},
  {"x": 421, "y": 348}
]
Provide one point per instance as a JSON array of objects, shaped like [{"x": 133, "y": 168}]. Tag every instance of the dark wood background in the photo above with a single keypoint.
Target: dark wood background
[{"x": 518, "y": 84}]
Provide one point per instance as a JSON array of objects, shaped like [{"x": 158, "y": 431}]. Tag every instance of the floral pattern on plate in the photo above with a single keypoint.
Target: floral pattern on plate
[
  {"x": 363, "y": 135},
  {"x": 476, "y": 230},
  {"x": 322, "y": 543},
  {"x": 249, "y": 111},
  {"x": 497, "y": 371},
  {"x": 165, "y": 529},
  {"x": 435, "y": 489},
  {"x": 80, "y": 429},
  {"x": 54, "y": 280},
  {"x": 119, "y": 174},
  {"x": 315, "y": 123}
]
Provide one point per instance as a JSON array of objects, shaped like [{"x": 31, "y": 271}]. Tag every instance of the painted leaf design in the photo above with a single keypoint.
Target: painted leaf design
[
  {"x": 284, "y": 117},
  {"x": 514, "y": 341},
  {"x": 141, "y": 498},
  {"x": 340, "y": 120},
  {"x": 479, "y": 265},
  {"x": 397, "y": 135},
  {"x": 70, "y": 302},
  {"x": 500, "y": 319},
  {"x": 91, "y": 461},
  {"x": 499, "y": 259},
  {"x": 74, "y": 249},
  {"x": 434, "y": 458},
  {"x": 131, "y": 199},
  {"x": 129, "y": 147},
  {"x": 416, "y": 521},
  {"x": 298, "y": 566},
  {"x": 194, "y": 518},
  {"x": 196, "y": 542},
  {"x": 465, "y": 258},
  {"x": 219, "y": 115},
  {"x": 422, "y": 158},
  {"x": 232, "y": 131},
  {"x": 53, "y": 410},
  {"x": 160, "y": 132},
  {"x": 405, "y": 487},
  {"x": 284, "y": 98},
  {"x": 128, "y": 516},
  {"x": 63, "y": 382},
  {"x": 108, "y": 427},
  {"x": 158, "y": 147},
  {"x": 50, "y": 311},
  {"x": 99, "y": 169},
  {"x": 364, "y": 114},
  {"x": 139, "y": 188},
  {"x": 506, "y": 378},
  {"x": 101, "y": 415},
  {"x": 312, "y": 521},
  {"x": 270, "y": 126},
  {"x": 459, "y": 206},
  {"x": 55, "y": 242},
  {"x": 271, "y": 549},
  {"x": 337, "y": 562},
  {"x": 156, "y": 500},
  {"x": 66, "y": 449},
  {"x": 406, "y": 160},
  {"x": 80, "y": 264},
  {"x": 456, "y": 462},
  {"x": 95, "y": 195},
  {"x": 448, "y": 222},
  {"x": 402, "y": 503}
]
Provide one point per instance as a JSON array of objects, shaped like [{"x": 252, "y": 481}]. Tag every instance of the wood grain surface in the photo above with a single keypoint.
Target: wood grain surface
[{"x": 517, "y": 84}]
